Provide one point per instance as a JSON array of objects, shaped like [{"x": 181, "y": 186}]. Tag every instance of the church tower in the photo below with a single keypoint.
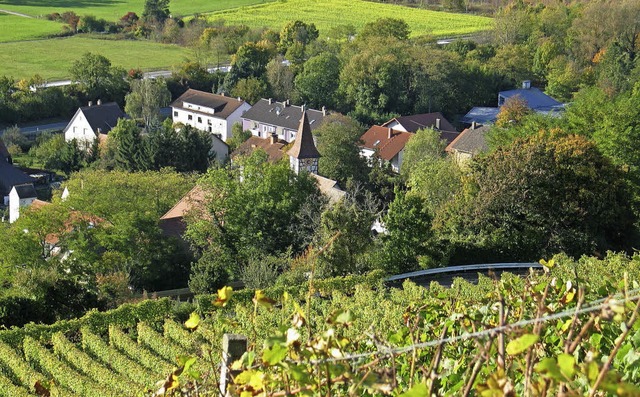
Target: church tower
[{"x": 303, "y": 155}]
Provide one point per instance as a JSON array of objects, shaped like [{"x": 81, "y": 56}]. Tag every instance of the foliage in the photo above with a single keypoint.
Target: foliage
[
  {"x": 512, "y": 112},
  {"x": 338, "y": 141},
  {"x": 54, "y": 153},
  {"x": 12, "y": 136},
  {"x": 543, "y": 194},
  {"x": 238, "y": 136},
  {"x": 146, "y": 98},
  {"x": 296, "y": 32},
  {"x": 98, "y": 79},
  {"x": 250, "y": 89},
  {"x": 280, "y": 78},
  {"x": 156, "y": 11},
  {"x": 386, "y": 27},
  {"x": 318, "y": 81},
  {"x": 426, "y": 144}
]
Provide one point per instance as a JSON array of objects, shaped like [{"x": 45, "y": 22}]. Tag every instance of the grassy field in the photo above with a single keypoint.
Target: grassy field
[
  {"x": 330, "y": 13},
  {"x": 52, "y": 58},
  {"x": 13, "y": 28},
  {"x": 113, "y": 9}
]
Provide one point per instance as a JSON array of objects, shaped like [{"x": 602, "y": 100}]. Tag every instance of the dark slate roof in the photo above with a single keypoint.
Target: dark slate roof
[
  {"x": 415, "y": 122},
  {"x": 275, "y": 150},
  {"x": 223, "y": 106},
  {"x": 536, "y": 99},
  {"x": 282, "y": 115},
  {"x": 4, "y": 153},
  {"x": 481, "y": 115},
  {"x": 304, "y": 147},
  {"x": 471, "y": 141},
  {"x": 104, "y": 116},
  {"x": 26, "y": 191},
  {"x": 10, "y": 176}
]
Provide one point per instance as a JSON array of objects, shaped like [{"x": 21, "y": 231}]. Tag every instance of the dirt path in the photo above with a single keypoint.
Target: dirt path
[{"x": 15, "y": 13}]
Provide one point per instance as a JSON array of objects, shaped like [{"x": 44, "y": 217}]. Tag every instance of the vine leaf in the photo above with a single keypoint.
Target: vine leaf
[
  {"x": 419, "y": 390},
  {"x": 274, "y": 354},
  {"x": 521, "y": 344},
  {"x": 193, "y": 321},
  {"x": 224, "y": 294}
]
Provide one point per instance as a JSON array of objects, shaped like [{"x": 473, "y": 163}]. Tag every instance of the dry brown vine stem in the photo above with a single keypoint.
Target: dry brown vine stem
[
  {"x": 501, "y": 334},
  {"x": 477, "y": 366},
  {"x": 621, "y": 338},
  {"x": 435, "y": 363},
  {"x": 536, "y": 330},
  {"x": 574, "y": 321}
]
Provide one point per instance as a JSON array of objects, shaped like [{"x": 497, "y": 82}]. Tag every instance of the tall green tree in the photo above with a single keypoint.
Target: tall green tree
[
  {"x": 296, "y": 32},
  {"x": 146, "y": 98},
  {"x": 339, "y": 144},
  {"x": 156, "y": 10},
  {"x": 98, "y": 79},
  {"x": 319, "y": 80}
]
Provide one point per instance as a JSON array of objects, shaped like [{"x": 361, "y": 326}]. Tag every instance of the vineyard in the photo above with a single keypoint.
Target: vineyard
[
  {"x": 329, "y": 14},
  {"x": 570, "y": 331}
]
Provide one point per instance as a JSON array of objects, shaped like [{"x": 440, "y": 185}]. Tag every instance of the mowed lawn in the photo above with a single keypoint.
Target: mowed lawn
[
  {"x": 13, "y": 28},
  {"x": 53, "y": 58},
  {"x": 331, "y": 13},
  {"x": 112, "y": 10}
]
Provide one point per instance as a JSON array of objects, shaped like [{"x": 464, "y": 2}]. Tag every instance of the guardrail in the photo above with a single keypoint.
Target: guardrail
[{"x": 468, "y": 272}]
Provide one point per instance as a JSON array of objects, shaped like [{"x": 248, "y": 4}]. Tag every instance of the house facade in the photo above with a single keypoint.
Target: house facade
[
  {"x": 19, "y": 197},
  {"x": 93, "y": 122},
  {"x": 471, "y": 142},
  {"x": 268, "y": 117},
  {"x": 209, "y": 112}
]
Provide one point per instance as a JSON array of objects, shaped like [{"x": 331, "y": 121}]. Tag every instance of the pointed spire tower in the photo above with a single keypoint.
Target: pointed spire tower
[{"x": 303, "y": 155}]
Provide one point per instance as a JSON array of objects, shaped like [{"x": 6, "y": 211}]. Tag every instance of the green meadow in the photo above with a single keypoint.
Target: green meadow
[
  {"x": 327, "y": 14},
  {"x": 14, "y": 28},
  {"x": 53, "y": 58},
  {"x": 112, "y": 10}
]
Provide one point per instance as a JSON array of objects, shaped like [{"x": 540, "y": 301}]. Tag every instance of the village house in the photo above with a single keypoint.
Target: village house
[
  {"x": 93, "y": 122},
  {"x": 535, "y": 99},
  {"x": 471, "y": 142},
  {"x": 267, "y": 117},
  {"x": 209, "y": 112},
  {"x": 10, "y": 176}
]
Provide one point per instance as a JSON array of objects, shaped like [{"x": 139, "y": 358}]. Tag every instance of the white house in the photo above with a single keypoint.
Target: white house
[
  {"x": 209, "y": 112},
  {"x": 269, "y": 117},
  {"x": 93, "y": 122},
  {"x": 20, "y": 196}
]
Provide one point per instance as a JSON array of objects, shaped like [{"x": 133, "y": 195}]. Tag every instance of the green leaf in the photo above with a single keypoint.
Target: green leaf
[
  {"x": 419, "y": 390},
  {"x": 193, "y": 321},
  {"x": 274, "y": 354},
  {"x": 521, "y": 344},
  {"x": 566, "y": 362},
  {"x": 548, "y": 366}
]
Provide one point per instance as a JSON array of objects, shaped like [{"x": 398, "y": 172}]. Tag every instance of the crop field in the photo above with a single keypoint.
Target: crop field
[
  {"x": 112, "y": 10},
  {"x": 331, "y": 13},
  {"x": 14, "y": 28},
  {"x": 53, "y": 58}
]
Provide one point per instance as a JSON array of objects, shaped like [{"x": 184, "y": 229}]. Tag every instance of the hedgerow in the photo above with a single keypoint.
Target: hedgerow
[
  {"x": 141, "y": 355},
  {"x": 8, "y": 389}
]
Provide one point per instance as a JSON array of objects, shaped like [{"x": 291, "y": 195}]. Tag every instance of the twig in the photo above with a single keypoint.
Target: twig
[{"x": 435, "y": 363}]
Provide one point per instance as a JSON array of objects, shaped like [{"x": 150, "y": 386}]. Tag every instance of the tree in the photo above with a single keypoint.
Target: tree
[
  {"x": 338, "y": 143},
  {"x": 155, "y": 10},
  {"x": 252, "y": 208},
  {"x": 385, "y": 27},
  {"x": 181, "y": 147},
  {"x": 546, "y": 194},
  {"x": 130, "y": 154},
  {"x": 296, "y": 32},
  {"x": 512, "y": 111},
  {"x": 56, "y": 153},
  {"x": 238, "y": 136},
  {"x": 319, "y": 80},
  {"x": 250, "y": 89},
  {"x": 250, "y": 60},
  {"x": 12, "y": 137},
  {"x": 280, "y": 78},
  {"x": 425, "y": 144},
  {"x": 98, "y": 79},
  {"x": 408, "y": 225},
  {"x": 146, "y": 98}
]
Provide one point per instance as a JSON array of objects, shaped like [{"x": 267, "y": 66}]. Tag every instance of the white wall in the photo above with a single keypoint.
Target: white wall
[
  {"x": 79, "y": 129},
  {"x": 235, "y": 117},
  {"x": 15, "y": 203},
  {"x": 210, "y": 123},
  {"x": 220, "y": 148}
]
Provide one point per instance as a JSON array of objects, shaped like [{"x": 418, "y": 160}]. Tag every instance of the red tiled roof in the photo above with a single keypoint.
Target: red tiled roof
[
  {"x": 275, "y": 150},
  {"x": 388, "y": 142}
]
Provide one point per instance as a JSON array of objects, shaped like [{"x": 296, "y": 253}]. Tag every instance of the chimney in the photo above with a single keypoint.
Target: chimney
[
  {"x": 222, "y": 93},
  {"x": 303, "y": 108},
  {"x": 286, "y": 103},
  {"x": 324, "y": 111},
  {"x": 437, "y": 124},
  {"x": 99, "y": 102},
  {"x": 473, "y": 125},
  {"x": 389, "y": 133},
  {"x": 90, "y": 103},
  {"x": 274, "y": 138},
  {"x": 270, "y": 101},
  {"x": 526, "y": 84}
]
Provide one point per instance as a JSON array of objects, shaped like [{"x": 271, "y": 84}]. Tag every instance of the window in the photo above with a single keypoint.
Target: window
[
  {"x": 199, "y": 119},
  {"x": 190, "y": 117},
  {"x": 209, "y": 121},
  {"x": 175, "y": 113}
]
